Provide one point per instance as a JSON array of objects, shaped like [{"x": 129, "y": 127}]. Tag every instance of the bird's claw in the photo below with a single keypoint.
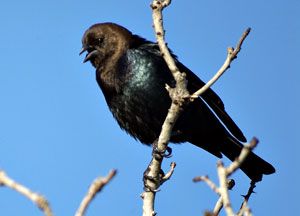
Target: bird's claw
[
  {"x": 147, "y": 187},
  {"x": 163, "y": 154}
]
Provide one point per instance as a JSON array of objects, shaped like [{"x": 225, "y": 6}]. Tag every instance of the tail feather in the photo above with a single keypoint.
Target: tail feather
[{"x": 253, "y": 166}]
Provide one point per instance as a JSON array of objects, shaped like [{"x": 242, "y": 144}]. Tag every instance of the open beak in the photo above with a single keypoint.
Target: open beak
[
  {"x": 83, "y": 50},
  {"x": 90, "y": 55}
]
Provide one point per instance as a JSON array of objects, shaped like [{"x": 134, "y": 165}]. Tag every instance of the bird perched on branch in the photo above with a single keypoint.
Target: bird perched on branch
[{"x": 132, "y": 76}]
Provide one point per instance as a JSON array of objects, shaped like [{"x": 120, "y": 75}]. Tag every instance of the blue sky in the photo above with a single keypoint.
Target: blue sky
[{"x": 57, "y": 135}]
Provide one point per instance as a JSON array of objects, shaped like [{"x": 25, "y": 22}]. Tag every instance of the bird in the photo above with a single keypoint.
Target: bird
[{"x": 132, "y": 75}]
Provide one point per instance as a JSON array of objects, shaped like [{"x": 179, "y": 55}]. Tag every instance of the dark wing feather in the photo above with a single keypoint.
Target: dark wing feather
[
  {"x": 195, "y": 83},
  {"x": 213, "y": 100}
]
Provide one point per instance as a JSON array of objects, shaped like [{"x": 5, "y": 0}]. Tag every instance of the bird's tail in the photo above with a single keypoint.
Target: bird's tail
[{"x": 253, "y": 166}]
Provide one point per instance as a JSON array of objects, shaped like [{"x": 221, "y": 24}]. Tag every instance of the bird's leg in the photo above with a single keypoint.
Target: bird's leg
[{"x": 158, "y": 155}]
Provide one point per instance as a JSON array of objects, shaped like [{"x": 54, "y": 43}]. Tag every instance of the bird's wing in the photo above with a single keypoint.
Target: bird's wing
[
  {"x": 213, "y": 100},
  {"x": 195, "y": 83}
]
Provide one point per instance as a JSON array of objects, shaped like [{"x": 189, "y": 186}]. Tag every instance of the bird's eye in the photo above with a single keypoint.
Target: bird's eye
[{"x": 100, "y": 40}]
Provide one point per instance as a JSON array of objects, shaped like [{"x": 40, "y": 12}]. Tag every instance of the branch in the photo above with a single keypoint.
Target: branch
[
  {"x": 224, "y": 173},
  {"x": 179, "y": 95},
  {"x": 152, "y": 176},
  {"x": 209, "y": 182},
  {"x": 94, "y": 189},
  {"x": 241, "y": 158},
  {"x": 231, "y": 55},
  {"x": 219, "y": 204},
  {"x": 157, "y": 7},
  {"x": 36, "y": 198},
  {"x": 225, "y": 184},
  {"x": 167, "y": 176},
  {"x": 244, "y": 207},
  {"x": 216, "y": 189}
]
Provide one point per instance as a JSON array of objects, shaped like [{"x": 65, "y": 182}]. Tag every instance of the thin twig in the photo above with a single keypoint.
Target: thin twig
[
  {"x": 222, "y": 173},
  {"x": 241, "y": 158},
  {"x": 157, "y": 7},
  {"x": 36, "y": 198},
  {"x": 209, "y": 182},
  {"x": 245, "y": 211},
  {"x": 168, "y": 175},
  {"x": 218, "y": 207},
  {"x": 244, "y": 207},
  {"x": 231, "y": 55},
  {"x": 94, "y": 189},
  {"x": 219, "y": 204},
  {"x": 227, "y": 184}
]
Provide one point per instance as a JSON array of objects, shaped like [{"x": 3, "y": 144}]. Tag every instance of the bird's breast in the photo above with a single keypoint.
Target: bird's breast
[{"x": 142, "y": 104}]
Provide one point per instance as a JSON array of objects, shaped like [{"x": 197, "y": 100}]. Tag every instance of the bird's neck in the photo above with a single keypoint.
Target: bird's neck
[{"x": 109, "y": 76}]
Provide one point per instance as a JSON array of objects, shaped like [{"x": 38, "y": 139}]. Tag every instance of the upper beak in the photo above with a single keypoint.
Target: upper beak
[
  {"x": 83, "y": 50},
  {"x": 90, "y": 54}
]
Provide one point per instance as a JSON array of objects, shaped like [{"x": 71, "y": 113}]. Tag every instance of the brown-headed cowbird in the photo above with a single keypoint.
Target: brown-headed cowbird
[{"x": 132, "y": 75}]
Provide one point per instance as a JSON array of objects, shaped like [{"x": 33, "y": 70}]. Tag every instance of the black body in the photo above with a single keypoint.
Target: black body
[{"x": 132, "y": 76}]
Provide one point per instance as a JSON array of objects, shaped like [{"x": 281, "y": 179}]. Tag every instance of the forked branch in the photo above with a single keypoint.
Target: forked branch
[{"x": 179, "y": 95}]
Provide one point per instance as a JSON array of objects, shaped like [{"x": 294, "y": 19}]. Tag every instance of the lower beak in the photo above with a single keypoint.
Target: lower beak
[{"x": 90, "y": 55}]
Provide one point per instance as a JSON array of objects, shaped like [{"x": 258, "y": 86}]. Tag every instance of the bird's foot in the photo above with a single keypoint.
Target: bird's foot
[
  {"x": 154, "y": 182},
  {"x": 162, "y": 154}
]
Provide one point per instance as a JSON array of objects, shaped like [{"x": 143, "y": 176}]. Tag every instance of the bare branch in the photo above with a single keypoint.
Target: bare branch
[
  {"x": 241, "y": 41},
  {"x": 245, "y": 210},
  {"x": 209, "y": 182},
  {"x": 167, "y": 176},
  {"x": 36, "y": 198},
  {"x": 225, "y": 172},
  {"x": 157, "y": 7},
  {"x": 218, "y": 207},
  {"x": 226, "y": 184},
  {"x": 153, "y": 177},
  {"x": 231, "y": 55},
  {"x": 222, "y": 173},
  {"x": 244, "y": 207},
  {"x": 214, "y": 187},
  {"x": 219, "y": 204},
  {"x": 243, "y": 155},
  {"x": 94, "y": 189}
]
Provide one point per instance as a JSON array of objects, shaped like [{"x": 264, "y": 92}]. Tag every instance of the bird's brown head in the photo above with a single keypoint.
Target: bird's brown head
[{"x": 104, "y": 42}]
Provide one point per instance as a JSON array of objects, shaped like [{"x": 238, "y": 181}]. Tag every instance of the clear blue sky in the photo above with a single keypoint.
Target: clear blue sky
[{"x": 57, "y": 135}]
